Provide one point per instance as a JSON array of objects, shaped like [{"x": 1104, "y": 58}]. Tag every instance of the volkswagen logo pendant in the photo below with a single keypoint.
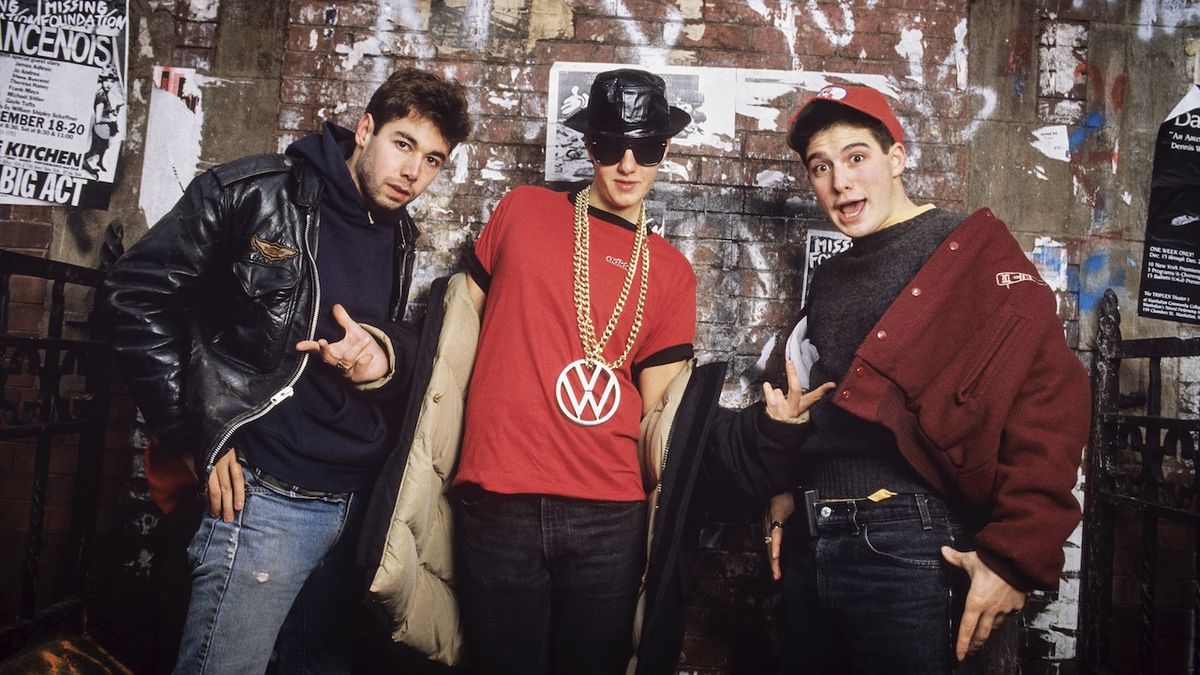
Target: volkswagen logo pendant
[{"x": 588, "y": 394}]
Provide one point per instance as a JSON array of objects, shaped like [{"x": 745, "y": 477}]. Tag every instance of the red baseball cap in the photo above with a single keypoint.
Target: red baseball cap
[{"x": 863, "y": 99}]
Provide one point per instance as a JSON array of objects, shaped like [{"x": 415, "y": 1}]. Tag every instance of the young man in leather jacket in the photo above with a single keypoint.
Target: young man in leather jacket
[
  {"x": 259, "y": 325},
  {"x": 936, "y": 479}
]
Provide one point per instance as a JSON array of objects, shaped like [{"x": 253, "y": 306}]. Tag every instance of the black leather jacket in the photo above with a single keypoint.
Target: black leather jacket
[{"x": 205, "y": 310}]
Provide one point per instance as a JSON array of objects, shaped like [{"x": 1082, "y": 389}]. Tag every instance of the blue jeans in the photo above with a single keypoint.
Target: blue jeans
[
  {"x": 283, "y": 569},
  {"x": 871, "y": 593},
  {"x": 549, "y": 584}
]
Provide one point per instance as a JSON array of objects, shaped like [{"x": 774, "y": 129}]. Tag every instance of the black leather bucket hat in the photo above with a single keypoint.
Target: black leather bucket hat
[{"x": 629, "y": 103}]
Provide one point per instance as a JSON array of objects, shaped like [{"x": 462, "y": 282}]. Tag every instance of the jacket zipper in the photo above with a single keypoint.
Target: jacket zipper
[
  {"x": 662, "y": 472},
  {"x": 288, "y": 389}
]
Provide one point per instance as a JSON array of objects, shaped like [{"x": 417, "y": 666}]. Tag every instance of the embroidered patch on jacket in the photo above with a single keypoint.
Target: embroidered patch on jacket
[
  {"x": 1007, "y": 279},
  {"x": 272, "y": 251}
]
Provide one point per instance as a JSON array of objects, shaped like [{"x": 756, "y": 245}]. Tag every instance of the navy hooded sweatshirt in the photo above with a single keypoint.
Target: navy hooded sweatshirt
[{"x": 328, "y": 436}]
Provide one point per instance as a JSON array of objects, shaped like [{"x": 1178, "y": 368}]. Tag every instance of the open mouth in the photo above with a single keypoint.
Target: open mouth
[{"x": 852, "y": 210}]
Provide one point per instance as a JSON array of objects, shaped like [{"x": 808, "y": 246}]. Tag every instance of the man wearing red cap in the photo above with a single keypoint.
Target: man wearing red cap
[{"x": 936, "y": 478}]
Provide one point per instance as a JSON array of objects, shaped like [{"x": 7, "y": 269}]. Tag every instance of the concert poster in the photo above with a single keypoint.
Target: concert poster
[
  {"x": 63, "y": 75},
  {"x": 1170, "y": 284}
]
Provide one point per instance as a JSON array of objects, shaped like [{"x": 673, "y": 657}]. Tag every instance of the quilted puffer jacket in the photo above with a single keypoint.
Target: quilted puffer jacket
[{"x": 407, "y": 540}]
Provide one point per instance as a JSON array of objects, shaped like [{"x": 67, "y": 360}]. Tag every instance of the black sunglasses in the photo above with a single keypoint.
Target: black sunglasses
[{"x": 647, "y": 151}]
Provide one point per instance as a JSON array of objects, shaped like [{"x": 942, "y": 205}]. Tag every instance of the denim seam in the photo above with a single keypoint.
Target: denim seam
[
  {"x": 230, "y": 558},
  {"x": 906, "y": 562}
]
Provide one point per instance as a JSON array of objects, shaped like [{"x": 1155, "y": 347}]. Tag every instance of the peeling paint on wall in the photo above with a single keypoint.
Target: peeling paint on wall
[
  {"x": 912, "y": 48},
  {"x": 1061, "y": 58},
  {"x": 770, "y": 178},
  {"x": 1050, "y": 258},
  {"x": 837, "y": 38},
  {"x": 983, "y": 114},
  {"x": 758, "y": 91},
  {"x": 1099, "y": 272},
  {"x": 1057, "y": 624},
  {"x": 203, "y": 10},
  {"x": 145, "y": 48},
  {"x": 354, "y": 53},
  {"x": 652, "y": 53},
  {"x": 1165, "y": 15},
  {"x": 784, "y": 20},
  {"x": 549, "y": 19},
  {"x": 958, "y": 55}
]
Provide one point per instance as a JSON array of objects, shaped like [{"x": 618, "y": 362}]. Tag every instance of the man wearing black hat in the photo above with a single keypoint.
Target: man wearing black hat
[
  {"x": 937, "y": 478},
  {"x": 580, "y": 335}
]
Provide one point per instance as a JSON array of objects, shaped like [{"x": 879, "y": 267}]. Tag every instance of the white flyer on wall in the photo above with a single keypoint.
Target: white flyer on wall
[{"x": 62, "y": 100}]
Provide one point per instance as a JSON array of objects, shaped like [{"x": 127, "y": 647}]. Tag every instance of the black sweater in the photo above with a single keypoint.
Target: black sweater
[{"x": 846, "y": 456}]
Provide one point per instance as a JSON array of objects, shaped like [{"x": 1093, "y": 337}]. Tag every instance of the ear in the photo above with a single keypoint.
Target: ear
[
  {"x": 364, "y": 129},
  {"x": 897, "y": 156}
]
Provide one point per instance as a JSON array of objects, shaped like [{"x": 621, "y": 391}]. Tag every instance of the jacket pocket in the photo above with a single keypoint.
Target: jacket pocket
[
  {"x": 257, "y": 313},
  {"x": 977, "y": 373},
  {"x": 962, "y": 406}
]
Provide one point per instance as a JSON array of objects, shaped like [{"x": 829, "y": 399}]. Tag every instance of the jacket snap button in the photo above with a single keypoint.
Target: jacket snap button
[
  {"x": 916, "y": 292},
  {"x": 882, "y": 335},
  {"x": 954, "y": 246},
  {"x": 846, "y": 395},
  {"x": 437, "y": 398},
  {"x": 826, "y": 511},
  {"x": 860, "y": 371}
]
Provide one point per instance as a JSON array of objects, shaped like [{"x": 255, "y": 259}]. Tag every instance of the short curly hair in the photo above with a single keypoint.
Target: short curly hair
[{"x": 412, "y": 91}]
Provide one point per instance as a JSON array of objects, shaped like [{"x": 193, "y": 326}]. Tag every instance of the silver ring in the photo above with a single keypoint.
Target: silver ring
[
  {"x": 767, "y": 539},
  {"x": 776, "y": 525}
]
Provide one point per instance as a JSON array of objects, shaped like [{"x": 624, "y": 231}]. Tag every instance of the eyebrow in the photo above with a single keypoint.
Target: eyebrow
[
  {"x": 851, "y": 146},
  {"x": 413, "y": 142}
]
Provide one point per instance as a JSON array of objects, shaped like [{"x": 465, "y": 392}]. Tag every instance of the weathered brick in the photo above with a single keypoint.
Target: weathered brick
[
  {"x": 197, "y": 34},
  {"x": 198, "y": 58},
  {"x": 311, "y": 39},
  {"x": 25, "y": 235}
]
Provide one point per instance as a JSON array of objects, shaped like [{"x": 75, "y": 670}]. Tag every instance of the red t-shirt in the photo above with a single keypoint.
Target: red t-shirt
[{"x": 517, "y": 440}]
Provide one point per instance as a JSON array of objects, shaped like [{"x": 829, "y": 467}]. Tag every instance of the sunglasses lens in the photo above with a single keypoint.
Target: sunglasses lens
[
  {"x": 646, "y": 153},
  {"x": 649, "y": 153},
  {"x": 607, "y": 152}
]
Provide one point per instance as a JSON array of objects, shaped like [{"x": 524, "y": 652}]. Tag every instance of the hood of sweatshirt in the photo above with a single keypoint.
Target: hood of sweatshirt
[{"x": 328, "y": 152}]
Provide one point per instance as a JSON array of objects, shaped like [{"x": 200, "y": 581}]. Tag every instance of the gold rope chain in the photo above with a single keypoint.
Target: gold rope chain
[{"x": 593, "y": 349}]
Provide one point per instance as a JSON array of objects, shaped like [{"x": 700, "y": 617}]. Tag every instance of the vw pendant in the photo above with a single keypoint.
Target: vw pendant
[{"x": 588, "y": 394}]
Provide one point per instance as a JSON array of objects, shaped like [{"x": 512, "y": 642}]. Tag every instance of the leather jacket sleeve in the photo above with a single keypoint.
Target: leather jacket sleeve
[
  {"x": 150, "y": 293},
  {"x": 752, "y": 452}
]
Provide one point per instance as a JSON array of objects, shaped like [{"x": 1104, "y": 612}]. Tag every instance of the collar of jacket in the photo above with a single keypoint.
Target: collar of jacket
[{"x": 307, "y": 184}]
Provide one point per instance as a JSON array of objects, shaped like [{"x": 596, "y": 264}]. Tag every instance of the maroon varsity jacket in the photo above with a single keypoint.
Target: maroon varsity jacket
[{"x": 970, "y": 370}]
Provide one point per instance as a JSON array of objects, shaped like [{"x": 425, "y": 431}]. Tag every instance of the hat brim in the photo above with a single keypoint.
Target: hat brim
[{"x": 678, "y": 122}]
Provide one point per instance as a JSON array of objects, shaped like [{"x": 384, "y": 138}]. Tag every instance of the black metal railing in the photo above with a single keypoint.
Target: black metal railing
[
  {"x": 1126, "y": 479},
  {"x": 61, "y": 371}
]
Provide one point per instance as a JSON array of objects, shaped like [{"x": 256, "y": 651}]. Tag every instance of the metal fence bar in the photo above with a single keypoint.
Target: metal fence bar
[
  {"x": 50, "y": 358},
  {"x": 1112, "y": 489}
]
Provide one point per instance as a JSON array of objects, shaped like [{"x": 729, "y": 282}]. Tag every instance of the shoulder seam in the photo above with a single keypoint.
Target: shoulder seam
[{"x": 249, "y": 167}]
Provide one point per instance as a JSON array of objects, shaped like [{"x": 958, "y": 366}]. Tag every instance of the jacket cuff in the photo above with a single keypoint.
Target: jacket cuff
[
  {"x": 783, "y": 432},
  {"x": 1009, "y": 572},
  {"x": 385, "y": 342}
]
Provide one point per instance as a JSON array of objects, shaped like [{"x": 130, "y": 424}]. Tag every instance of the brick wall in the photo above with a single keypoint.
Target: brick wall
[
  {"x": 968, "y": 100},
  {"x": 745, "y": 240}
]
